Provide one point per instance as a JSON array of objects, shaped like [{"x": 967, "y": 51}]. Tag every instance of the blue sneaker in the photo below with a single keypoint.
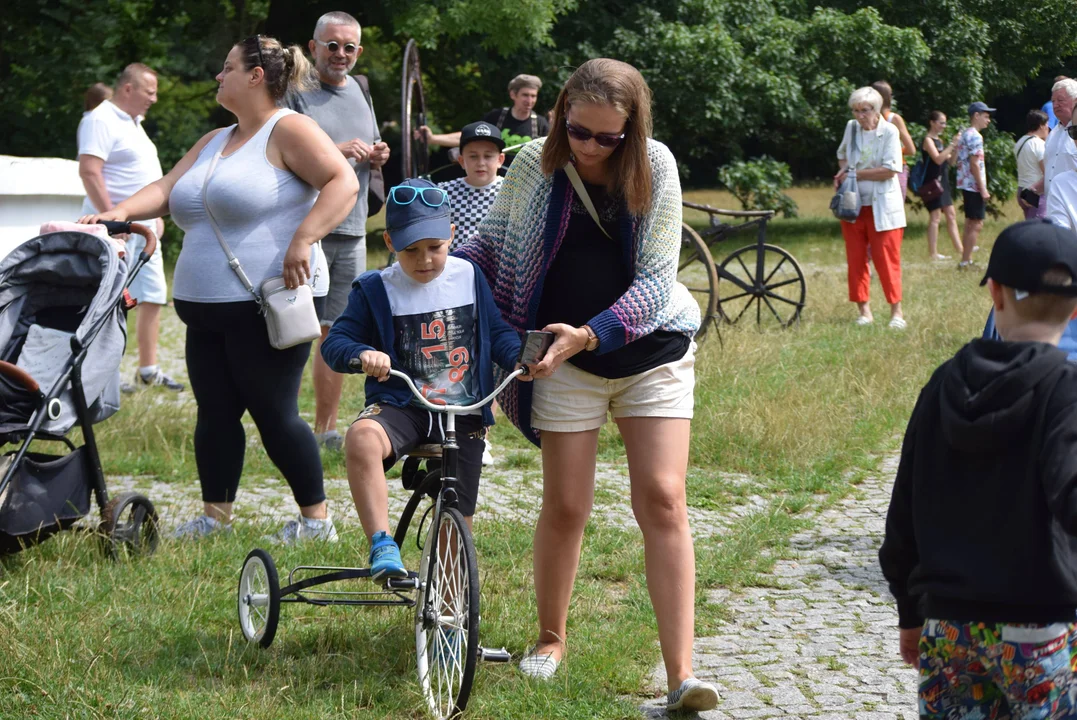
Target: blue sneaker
[{"x": 385, "y": 557}]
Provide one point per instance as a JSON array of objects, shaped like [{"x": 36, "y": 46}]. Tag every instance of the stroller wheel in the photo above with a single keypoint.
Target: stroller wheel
[
  {"x": 259, "y": 598},
  {"x": 129, "y": 526}
]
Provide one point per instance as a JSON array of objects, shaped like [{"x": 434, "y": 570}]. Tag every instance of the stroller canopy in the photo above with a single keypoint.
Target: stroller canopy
[{"x": 66, "y": 282}]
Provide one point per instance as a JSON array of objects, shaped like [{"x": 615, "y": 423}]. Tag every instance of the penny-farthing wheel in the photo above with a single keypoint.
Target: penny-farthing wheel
[{"x": 415, "y": 157}]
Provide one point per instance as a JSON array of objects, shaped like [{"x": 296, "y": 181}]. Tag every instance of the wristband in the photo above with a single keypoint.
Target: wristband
[{"x": 592, "y": 339}]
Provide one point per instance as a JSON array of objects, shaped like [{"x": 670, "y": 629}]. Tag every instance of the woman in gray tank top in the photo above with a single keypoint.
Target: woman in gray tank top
[{"x": 280, "y": 185}]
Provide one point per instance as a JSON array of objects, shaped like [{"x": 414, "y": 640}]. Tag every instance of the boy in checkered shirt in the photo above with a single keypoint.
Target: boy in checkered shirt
[{"x": 471, "y": 197}]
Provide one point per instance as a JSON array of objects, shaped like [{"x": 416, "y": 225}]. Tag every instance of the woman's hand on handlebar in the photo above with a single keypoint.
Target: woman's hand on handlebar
[
  {"x": 296, "y": 268},
  {"x": 375, "y": 364},
  {"x": 115, "y": 214},
  {"x": 567, "y": 342}
]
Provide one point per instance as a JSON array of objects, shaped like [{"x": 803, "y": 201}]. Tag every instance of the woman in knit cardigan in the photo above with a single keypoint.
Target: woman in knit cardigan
[{"x": 603, "y": 279}]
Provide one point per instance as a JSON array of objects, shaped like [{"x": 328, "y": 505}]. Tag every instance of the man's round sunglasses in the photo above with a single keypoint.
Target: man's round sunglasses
[
  {"x": 332, "y": 46},
  {"x": 606, "y": 140},
  {"x": 406, "y": 194}
]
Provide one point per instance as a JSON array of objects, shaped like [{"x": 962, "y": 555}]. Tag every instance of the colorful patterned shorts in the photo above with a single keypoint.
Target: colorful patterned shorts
[{"x": 978, "y": 671}]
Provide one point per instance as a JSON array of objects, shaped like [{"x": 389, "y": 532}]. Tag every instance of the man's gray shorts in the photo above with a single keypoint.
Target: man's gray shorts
[{"x": 346, "y": 257}]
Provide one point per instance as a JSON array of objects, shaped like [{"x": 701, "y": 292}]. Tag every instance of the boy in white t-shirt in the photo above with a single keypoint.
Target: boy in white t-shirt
[
  {"x": 471, "y": 197},
  {"x": 433, "y": 317},
  {"x": 1028, "y": 152}
]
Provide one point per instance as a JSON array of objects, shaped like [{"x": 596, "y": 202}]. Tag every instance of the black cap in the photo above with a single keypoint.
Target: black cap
[
  {"x": 1026, "y": 250},
  {"x": 481, "y": 130}
]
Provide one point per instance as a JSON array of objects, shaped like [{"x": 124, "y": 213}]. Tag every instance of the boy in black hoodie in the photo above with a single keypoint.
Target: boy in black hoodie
[{"x": 980, "y": 548}]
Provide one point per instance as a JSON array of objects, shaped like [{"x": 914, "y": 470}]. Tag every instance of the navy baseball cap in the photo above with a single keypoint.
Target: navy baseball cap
[
  {"x": 980, "y": 107},
  {"x": 481, "y": 130},
  {"x": 1026, "y": 250},
  {"x": 416, "y": 210}
]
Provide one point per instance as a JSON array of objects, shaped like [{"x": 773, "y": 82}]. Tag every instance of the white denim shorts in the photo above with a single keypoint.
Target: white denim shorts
[
  {"x": 572, "y": 400},
  {"x": 149, "y": 285}
]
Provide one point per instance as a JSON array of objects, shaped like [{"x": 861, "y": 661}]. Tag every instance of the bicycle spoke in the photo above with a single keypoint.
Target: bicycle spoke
[
  {"x": 736, "y": 297},
  {"x": 783, "y": 283},
  {"x": 773, "y": 311},
  {"x": 786, "y": 300},
  {"x": 747, "y": 272},
  {"x": 776, "y": 267},
  {"x": 745, "y": 308}
]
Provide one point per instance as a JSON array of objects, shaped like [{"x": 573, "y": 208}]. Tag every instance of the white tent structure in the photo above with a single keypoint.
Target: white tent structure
[{"x": 34, "y": 191}]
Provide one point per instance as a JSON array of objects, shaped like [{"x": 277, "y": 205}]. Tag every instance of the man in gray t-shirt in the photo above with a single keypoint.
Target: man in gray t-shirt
[{"x": 344, "y": 111}]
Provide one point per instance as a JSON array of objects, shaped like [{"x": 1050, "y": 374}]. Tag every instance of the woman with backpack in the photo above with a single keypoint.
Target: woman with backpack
[{"x": 934, "y": 185}]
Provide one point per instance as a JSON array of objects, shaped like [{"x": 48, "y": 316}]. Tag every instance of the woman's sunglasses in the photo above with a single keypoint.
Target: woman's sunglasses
[
  {"x": 1072, "y": 130},
  {"x": 606, "y": 140},
  {"x": 332, "y": 46},
  {"x": 406, "y": 194}
]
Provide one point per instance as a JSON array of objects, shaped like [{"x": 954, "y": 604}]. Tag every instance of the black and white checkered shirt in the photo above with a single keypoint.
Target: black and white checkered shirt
[{"x": 469, "y": 205}]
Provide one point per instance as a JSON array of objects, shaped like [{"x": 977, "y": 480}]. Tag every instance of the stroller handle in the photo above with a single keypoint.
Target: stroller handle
[
  {"x": 119, "y": 228},
  {"x": 19, "y": 375}
]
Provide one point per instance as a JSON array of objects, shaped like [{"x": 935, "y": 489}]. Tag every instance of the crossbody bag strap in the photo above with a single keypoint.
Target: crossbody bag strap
[
  {"x": 581, "y": 191},
  {"x": 1021, "y": 147},
  {"x": 501, "y": 119},
  {"x": 233, "y": 261},
  {"x": 534, "y": 126}
]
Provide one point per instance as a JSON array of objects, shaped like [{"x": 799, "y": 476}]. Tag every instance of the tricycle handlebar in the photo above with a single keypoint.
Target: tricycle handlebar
[{"x": 357, "y": 364}]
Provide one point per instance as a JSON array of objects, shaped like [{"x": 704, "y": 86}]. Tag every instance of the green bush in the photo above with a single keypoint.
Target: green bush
[{"x": 758, "y": 184}]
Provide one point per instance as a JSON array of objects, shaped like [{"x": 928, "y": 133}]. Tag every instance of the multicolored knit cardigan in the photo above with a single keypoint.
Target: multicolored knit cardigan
[{"x": 522, "y": 233}]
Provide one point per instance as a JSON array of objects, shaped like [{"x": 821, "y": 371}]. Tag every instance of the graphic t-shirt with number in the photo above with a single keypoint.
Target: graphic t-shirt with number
[{"x": 434, "y": 325}]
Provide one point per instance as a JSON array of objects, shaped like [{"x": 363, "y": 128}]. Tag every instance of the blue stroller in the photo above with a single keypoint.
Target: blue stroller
[{"x": 63, "y": 305}]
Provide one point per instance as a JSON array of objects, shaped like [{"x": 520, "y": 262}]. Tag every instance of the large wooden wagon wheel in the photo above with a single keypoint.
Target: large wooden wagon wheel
[
  {"x": 761, "y": 282},
  {"x": 415, "y": 155},
  {"x": 696, "y": 272}
]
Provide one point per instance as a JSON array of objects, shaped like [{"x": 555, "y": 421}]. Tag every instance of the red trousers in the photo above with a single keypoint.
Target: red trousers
[{"x": 864, "y": 242}]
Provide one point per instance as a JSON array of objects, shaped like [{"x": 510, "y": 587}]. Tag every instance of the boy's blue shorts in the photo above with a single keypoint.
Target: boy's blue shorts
[{"x": 412, "y": 426}]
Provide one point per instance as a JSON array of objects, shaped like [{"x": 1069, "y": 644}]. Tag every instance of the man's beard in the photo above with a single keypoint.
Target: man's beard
[{"x": 334, "y": 73}]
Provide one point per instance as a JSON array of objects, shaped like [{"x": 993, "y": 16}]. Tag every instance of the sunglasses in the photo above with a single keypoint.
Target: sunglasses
[
  {"x": 406, "y": 194},
  {"x": 332, "y": 46},
  {"x": 606, "y": 140},
  {"x": 1072, "y": 130}
]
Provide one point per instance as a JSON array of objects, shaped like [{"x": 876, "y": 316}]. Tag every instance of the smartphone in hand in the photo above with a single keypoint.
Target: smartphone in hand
[{"x": 535, "y": 345}]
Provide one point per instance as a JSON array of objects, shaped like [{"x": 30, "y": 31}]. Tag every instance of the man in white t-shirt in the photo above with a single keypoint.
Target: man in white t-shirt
[
  {"x": 1028, "y": 151},
  {"x": 1060, "y": 154},
  {"x": 116, "y": 160}
]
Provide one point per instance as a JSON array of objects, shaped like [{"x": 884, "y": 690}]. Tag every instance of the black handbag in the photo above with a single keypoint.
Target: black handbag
[
  {"x": 931, "y": 190},
  {"x": 1031, "y": 197}
]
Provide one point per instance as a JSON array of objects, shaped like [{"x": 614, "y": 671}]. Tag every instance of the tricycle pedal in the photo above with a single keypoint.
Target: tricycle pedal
[{"x": 495, "y": 656}]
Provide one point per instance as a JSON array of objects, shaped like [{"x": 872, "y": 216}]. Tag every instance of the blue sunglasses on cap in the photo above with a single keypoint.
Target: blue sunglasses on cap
[{"x": 405, "y": 195}]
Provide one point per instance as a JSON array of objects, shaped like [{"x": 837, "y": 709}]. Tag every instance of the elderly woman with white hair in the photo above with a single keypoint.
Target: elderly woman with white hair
[{"x": 871, "y": 150}]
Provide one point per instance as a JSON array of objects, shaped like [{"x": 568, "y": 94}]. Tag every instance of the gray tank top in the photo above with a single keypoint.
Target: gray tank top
[{"x": 258, "y": 207}]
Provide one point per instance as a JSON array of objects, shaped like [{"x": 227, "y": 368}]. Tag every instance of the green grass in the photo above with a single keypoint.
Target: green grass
[{"x": 795, "y": 417}]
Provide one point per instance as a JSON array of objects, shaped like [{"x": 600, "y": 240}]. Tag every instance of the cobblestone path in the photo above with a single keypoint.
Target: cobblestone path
[{"x": 821, "y": 640}]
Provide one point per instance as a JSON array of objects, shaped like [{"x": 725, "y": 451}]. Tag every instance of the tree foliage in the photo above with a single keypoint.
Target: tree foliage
[
  {"x": 731, "y": 79},
  {"x": 758, "y": 185}
]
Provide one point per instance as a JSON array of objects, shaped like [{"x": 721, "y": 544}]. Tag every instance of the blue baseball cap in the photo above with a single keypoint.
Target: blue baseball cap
[
  {"x": 980, "y": 107},
  {"x": 416, "y": 210}
]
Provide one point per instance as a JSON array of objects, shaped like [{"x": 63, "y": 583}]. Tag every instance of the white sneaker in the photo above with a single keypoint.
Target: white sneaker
[
  {"x": 693, "y": 694},
  {"x": 305, "y": 529},
  {"x": 487, "y": 458},
  {"x": 200, "y": 527}
]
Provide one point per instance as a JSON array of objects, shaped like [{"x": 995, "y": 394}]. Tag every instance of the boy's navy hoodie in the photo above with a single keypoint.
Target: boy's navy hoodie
[
  {"x": 984, "y": 510},
  {"x": 367, "y": 324}
]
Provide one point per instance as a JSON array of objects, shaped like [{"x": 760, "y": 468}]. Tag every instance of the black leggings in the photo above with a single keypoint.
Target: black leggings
[{"x": 233, "y": 368}]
